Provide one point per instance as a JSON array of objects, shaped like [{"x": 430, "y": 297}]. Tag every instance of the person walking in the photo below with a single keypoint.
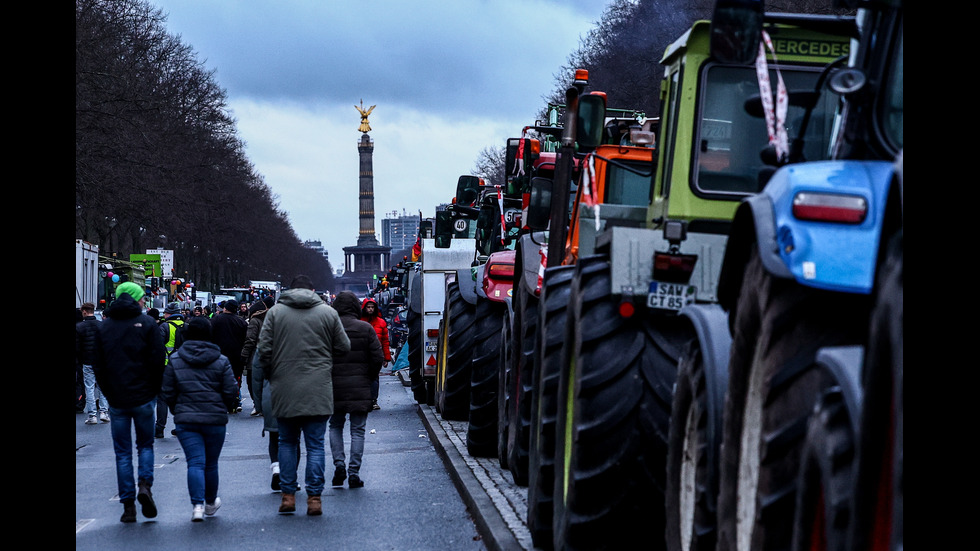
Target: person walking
[
  {"x": 256, "y": 315},
  {"x": 263, "y": 403},
  {"x": 85, "y": 335},
  {"x": 129, "y": 364},
  {"x": 371, "y": 314},
  {"x": 300, "y": 336},
  {"x": 352, "y": 376},
  {"x": 228, "y": 331},
  {"x": 199, "y": 388},
  {"x": 171, "y": 330}
]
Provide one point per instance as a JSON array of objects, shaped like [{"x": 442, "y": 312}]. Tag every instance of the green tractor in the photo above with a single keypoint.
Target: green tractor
[{"x": 625, "y": 321}]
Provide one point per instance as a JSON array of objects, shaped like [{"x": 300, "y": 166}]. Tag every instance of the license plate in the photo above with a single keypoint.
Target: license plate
[
  {"x": 430, "y": 347},
  {"x": 670, "y": 296}
]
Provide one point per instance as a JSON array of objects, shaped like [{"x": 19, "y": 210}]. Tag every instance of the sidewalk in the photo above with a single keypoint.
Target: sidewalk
[{"x": 499, "y": 505}]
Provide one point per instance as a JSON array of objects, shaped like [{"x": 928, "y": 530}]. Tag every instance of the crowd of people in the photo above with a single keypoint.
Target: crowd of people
[{"x": 306, "y": 365}]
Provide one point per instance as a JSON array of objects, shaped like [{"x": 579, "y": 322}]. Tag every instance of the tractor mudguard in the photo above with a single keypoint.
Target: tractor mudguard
[
  {"x": 845, "y": 363},
  {"x": 415, "y": 295},
  {"x": 467, "y": 287},
  {"x": 826, "y": 255},
  {"x": 530, "y": 247},
  {"x": 710, "y": 324},
  {"x": 479, "y": 277}
]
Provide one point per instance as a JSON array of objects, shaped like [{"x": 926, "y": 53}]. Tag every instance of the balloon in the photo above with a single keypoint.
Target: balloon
[
  {"x": 110, "y": 274},
  {"x": 190, "y": 285},
  {"x": 115, "y": 278}
]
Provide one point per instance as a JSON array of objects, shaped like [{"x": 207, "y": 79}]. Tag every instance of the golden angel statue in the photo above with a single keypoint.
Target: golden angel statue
[{"x": 365, "y": 127}]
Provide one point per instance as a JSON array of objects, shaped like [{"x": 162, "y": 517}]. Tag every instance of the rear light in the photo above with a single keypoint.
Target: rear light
[
  {"x": 830, "y": 207},
  {"x": 432, "y": 333},
  {"x": 626, "y": 309},
  {"x": 673, "y": 268},
  {"x": 501, "y": 271}
]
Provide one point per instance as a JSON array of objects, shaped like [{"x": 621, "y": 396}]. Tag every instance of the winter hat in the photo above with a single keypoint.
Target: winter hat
[
  {"x": 231, "y": 305},
  {"x": 172, "y": 308},
  {"x": 197, "y": 329},
  {"x": 130, "y": 289}
]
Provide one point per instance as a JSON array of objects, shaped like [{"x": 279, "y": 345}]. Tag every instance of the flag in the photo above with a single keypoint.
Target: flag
[{"x": 417, "y": 249}]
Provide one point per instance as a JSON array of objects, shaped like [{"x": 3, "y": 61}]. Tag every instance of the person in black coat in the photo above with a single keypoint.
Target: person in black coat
[
  {"x": 200, "y": 389},
  {"x": 129, "y": 360},
  {"x": 352, "y": 376},
  {"x": 228, "y": 331},
  {"x": 96, "y": 406}
]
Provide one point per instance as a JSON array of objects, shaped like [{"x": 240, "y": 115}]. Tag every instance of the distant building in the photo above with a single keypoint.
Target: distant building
[
  {"x": 399, "y": 232},
  {"x": 317, "y": 246}
]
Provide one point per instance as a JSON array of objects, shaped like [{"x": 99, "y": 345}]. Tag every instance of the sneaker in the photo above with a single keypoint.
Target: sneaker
[
  {"x": 355, "y": 482},
  {"x": 104, "y": 417},
  {"x": 275, "y": 476},
  {"x": 145, "y": 497},
  {"x": 92, "y": 420},
  {"x": 173, "y": 432},
  {"x": 129, "y": 512},
  {"x": 375, "y": 405},
  {"x": 339, "y": 475},
  {"x": 158, "y": 432},
  {"x": 212, "y": 508},
  {"x": 198, "y": 514},
  {"x": 254, "y": 413}
]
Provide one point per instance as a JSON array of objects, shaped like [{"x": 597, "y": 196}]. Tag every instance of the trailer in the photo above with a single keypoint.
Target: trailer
[{"x": 86, "y": 273}]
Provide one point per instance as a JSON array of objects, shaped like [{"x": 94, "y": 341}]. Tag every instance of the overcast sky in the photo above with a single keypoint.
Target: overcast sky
[{"x": 448, "y": 79}]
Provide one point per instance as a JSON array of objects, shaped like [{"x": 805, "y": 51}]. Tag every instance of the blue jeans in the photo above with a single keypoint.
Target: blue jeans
[
  {"x": 93, "y": 392},
  {"x": 314, "y": 429},
  {"x": 202, "y": 445},
  {"x": 121, "y": 424},
  {"x": 357, "y": 423}
]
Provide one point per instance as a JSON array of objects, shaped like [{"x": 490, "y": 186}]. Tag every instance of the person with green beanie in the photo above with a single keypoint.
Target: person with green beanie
[
  {"x": 129, "y": 364},
  {"x": 131, "y": 289}
]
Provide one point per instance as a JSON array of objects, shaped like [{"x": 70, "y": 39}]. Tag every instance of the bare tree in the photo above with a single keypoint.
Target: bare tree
[{"x": 158, "y": 163}]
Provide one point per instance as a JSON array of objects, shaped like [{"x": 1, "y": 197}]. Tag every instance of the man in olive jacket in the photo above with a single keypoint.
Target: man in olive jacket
[{"x": 297, "y": 343}]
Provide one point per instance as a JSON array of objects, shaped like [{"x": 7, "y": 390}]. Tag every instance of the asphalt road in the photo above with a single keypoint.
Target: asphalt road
[{"x": 421, "y": 492}]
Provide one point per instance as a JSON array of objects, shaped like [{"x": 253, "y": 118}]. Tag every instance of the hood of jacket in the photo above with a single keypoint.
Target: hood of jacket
[
  {"x": 346, "y": 304},
  {"x": 369, "y": 300},
  {"x": 123, "y": 308},
  {"x": 199, "y": 352},
  {"x": 300, "y": 298}
]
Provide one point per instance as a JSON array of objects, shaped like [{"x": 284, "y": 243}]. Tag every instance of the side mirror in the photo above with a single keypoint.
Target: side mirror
[
  {"x": 444, "y": 229},
  {"x": 736, "y": 28},
  {"x": 591, "y": 115},
  {"x": 539, "y": 208},
  {"x": 467, "y": 190}
]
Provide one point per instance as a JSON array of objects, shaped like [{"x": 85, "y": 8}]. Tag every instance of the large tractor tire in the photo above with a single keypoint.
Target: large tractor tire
[
  {"x": 505, "y": 391},
  {"x": 825, "y": 484},
  {"x": 778, "y": 326},
  {"x": 415, "y": 355},
  {"x": 456, "y": 355},
  {"x": 481, "y": 432},
  {"x": 549, "y": 339},
  {"x": 692, "y": 460},
  {"x": 879, "y": 477},
  {"x": 613, "y": 419},
  {"x": 521, "y": 353}
]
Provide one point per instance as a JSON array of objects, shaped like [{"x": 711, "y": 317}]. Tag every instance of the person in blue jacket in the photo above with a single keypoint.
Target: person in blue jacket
[{"x": 200, "y": 389}]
